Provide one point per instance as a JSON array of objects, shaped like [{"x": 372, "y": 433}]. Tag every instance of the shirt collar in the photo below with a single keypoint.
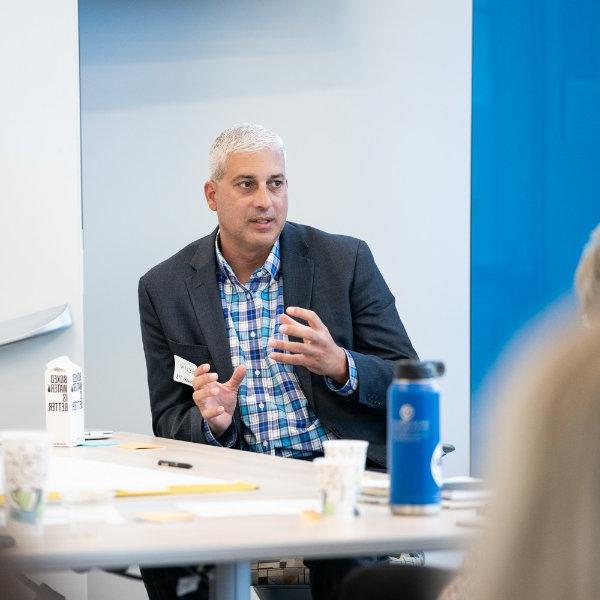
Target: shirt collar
[{"x": 270, "y": 266}]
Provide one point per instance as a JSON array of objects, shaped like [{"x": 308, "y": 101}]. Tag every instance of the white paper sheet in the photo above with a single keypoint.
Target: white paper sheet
[
  {"x": 59, "y": 515},
  {"x": 69, "y": 473},
  {"x": 251, "y": 508},
  {"x": 376, "y": 483}
]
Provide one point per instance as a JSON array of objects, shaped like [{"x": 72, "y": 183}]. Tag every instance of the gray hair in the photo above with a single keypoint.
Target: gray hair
[
  {"x": 587, "y": 278},
  {"x": 246, "y": 137}
]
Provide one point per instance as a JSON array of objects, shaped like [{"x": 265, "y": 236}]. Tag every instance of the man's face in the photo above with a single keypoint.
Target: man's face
[{"x": 250, "y": 200}]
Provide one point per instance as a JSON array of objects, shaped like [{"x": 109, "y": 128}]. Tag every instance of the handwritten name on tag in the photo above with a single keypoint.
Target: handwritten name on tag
[{"x": 184, "y": 370}]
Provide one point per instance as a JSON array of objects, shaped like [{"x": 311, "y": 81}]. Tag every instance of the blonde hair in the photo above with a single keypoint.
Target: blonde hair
[
  {"x": 587, "y": 278},
  {"x": 246, "y": 137},
  {"x": 543, "y": 542}
]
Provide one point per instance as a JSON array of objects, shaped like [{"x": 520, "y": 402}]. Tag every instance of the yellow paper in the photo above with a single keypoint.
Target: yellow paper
[
  {"x": 310, "y": 515},
  {"x": 165, "y": 517},
  {"x": 237, "y": 486},
  {"x": 134, "y": 446}
]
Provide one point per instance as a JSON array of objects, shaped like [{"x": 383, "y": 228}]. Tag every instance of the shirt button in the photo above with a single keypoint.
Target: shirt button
[
  {"x": 248, "y": 296},
  {"x": 257, "y": 372},
  {"x": 261, "y": 405},
  {"x": 265, "y": 443},
  {"x": 252, "y": 334}
]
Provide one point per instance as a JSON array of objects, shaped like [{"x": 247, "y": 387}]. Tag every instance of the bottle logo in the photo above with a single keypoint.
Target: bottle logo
[{"x": 407, "y": 412}]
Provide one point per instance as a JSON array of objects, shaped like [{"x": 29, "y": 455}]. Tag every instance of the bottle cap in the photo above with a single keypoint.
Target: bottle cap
[{"x": 408, "y": 368}]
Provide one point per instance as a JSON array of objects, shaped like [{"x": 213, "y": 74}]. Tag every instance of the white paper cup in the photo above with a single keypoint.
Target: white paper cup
[
  {"x": 336, "y": 481},
  {"x": 351, "y": 450},
  {"x": 26, "y": 464}
]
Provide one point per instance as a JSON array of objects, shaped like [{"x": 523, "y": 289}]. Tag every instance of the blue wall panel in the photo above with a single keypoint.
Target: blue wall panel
[{"x": 535, "y": 166}]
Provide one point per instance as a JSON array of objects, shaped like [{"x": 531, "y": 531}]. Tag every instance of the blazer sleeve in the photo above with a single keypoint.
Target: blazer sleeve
[
  {"x": 174, "y": 413},
  {"x": 379, "y": 337}
]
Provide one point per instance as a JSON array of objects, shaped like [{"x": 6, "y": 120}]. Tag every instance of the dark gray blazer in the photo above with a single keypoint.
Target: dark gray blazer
[{"x": 334, "y": 275}]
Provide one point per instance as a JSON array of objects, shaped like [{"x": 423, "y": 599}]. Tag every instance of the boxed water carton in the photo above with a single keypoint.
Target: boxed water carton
[{"x": 64, "y": 401}]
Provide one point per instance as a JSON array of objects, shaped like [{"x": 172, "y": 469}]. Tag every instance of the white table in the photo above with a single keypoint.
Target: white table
[{"x": 230, "y": 543}]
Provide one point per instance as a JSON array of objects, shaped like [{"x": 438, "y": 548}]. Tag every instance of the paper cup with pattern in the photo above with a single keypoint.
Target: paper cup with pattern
[
  {"x": 336, "y": 481},
  {"x": 351, "y": 450},
  {"x": 26, "y": 465}
]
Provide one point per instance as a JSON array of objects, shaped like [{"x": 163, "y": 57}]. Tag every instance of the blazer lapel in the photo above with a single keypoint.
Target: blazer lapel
[
  {"x": 204, "y": 294},
  {"x": 298, "y": 272}
]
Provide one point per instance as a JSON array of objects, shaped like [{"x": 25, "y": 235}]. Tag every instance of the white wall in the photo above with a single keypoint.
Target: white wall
[
  {"x": 373, "y": 102},
  {"x": 40, "y": 205},
  {"x": 40, "y": 201}
]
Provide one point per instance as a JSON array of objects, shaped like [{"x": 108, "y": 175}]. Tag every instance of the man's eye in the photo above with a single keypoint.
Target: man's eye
[
  {"x": 276, "y": 183},
  {"x": 245, "y": 185}
]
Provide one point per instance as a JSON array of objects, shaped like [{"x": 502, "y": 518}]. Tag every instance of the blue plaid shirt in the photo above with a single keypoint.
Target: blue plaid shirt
[{"x": 276, "y": 416}]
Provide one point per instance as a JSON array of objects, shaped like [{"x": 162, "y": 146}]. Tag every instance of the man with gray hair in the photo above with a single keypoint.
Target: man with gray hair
[{"x": 294, "y": 330}]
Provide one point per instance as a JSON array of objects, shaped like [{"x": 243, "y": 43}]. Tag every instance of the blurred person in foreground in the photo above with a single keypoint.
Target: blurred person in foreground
[
  {"x": 587, "y": 279},
  {"x": 542, "y": 540},
  {"x": 552, "y": 405}
]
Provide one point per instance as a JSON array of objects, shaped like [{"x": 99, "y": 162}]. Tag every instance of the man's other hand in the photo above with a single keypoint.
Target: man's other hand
[
  {"x": 215, "y": 400},
  {"x": 317, "y": 352}
]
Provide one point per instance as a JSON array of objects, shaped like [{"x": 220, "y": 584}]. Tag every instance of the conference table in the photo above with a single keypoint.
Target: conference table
[{"x": 228, "y": 542}]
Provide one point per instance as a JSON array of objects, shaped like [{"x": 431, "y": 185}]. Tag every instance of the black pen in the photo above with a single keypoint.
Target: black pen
[{"x": 172, "y": 463}]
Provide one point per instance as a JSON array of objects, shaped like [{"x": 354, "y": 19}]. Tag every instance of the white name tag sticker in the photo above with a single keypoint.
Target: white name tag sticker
[{"x": 184, "y": 370}]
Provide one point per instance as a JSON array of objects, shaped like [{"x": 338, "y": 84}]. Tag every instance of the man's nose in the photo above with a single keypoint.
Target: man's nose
[{"x": 262, "y": 198}]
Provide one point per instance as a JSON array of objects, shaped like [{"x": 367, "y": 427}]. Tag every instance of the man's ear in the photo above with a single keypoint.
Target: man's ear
[{"x": 210, "y": 190}]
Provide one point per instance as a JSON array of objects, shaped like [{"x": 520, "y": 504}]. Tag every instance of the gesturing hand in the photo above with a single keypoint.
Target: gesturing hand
[
  {"x": 215, "y": 400},
  {"x": 317, "y": 352}
]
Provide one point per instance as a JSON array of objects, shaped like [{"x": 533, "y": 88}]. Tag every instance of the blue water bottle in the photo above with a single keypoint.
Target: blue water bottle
[{"x": 413, "y": 436}]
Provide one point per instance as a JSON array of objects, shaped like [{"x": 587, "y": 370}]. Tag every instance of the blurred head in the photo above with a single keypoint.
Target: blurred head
[
  {"x": 587, "y": 278},
  {"x": 544, "y": 537},
  {"x": 247, "y": 188}
]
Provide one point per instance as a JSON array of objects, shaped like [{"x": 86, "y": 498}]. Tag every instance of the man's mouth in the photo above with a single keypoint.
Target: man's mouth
[{"x": 261, "y": 221}]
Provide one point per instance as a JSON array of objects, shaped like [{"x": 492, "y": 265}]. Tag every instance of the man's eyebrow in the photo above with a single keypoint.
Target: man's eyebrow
[
  {"x": 278, "y": 176},
  {"x": 243, "y": 177}
]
